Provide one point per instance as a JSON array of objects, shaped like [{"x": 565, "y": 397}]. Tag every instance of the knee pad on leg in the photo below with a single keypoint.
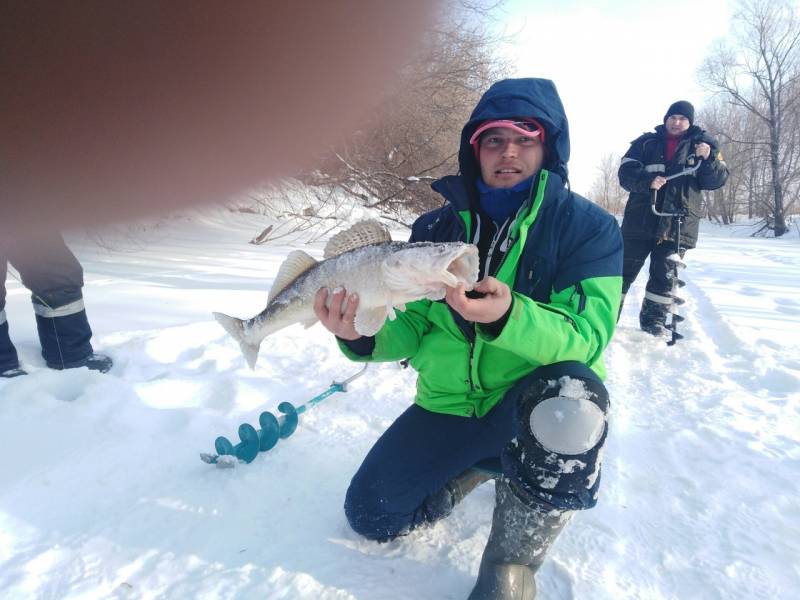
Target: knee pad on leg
[
  {"x": 556, "y": 456},
  {"x": 567, "y": 425}
]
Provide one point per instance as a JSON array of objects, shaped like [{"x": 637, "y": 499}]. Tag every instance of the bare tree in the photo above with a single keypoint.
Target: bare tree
[
  {"x": 759, "y": 71},
  {"x": 412, "y": 136},
  {"x": 605, "y": 190},
  {"x": 736, "y": 129}
]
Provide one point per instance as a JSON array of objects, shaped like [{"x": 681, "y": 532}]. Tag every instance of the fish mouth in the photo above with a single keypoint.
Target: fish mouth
[
  {"x": 454, "y": 263},
  {"x": 462, "y": 268},
  {"x": 426, "y": 270}
]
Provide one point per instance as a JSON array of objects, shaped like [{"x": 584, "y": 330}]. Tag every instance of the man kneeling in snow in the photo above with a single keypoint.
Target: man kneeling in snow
[{"x": 513, "y": 371}]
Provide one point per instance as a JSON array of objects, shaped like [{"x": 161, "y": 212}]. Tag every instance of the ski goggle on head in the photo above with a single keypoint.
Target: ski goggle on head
[{"x": 527, "y": 127}]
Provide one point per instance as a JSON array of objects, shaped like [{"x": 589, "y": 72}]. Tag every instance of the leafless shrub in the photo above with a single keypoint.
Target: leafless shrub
[{"x": 606, "y": 190}]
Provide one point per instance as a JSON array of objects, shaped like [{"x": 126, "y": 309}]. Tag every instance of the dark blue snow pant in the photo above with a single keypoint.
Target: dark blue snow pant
[
  {"x": 636, "y": 252},
  {"x": 54, "y": 276},
  {"x": 400, "y": 484}
]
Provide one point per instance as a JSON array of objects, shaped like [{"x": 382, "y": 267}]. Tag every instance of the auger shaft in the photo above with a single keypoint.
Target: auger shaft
[{"x": 676, "y": 259}]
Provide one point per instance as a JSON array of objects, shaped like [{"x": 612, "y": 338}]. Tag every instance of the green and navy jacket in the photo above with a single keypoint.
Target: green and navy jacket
[{"x": 560, "y": 254}]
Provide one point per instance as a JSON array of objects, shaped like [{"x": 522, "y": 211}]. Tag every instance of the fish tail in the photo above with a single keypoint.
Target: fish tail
[{"x": 235, "y": 327}]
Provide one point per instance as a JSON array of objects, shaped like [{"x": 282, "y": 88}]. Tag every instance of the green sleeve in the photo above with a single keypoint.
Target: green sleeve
[
  {"x": 400, "y": 338},
  {"x": 576, "y": 324}
]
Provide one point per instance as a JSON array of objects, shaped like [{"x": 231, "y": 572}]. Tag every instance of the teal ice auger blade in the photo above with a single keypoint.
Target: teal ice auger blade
[
  {"x": 245, "y": 450},
  {"x": 272, "y": 429}
]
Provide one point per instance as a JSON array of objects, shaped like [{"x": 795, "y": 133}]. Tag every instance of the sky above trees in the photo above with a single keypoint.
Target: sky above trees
[{"x": 617, "y": 65}]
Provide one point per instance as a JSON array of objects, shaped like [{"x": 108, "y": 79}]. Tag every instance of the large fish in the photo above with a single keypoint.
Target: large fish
[{"x": 363, "y": 260}]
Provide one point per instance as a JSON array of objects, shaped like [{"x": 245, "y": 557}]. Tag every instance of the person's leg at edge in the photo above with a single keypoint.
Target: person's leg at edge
[
  {"x": 634, "y": 254},
  {"x": 9, "y": 362},
  {"x": 550, "y": 470},
  {"x": 55, "y": 278},
  {"x": 657, "y": 301}
]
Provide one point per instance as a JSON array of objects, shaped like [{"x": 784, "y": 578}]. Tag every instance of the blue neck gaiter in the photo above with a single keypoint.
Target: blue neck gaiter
[{"x": 501, "y": 203}]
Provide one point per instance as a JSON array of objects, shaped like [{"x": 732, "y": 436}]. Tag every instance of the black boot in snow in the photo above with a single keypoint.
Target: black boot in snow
[
  {"x": 93, "y": 362},
  {"x": 462, "y": 485},
  {"x": 653, "y": 317},
  {"x": 16, "y": 372},
  {"x": 98, "y": 362},
  {"x": 441, "y": 504},
  {"x": 521, "y": 535}
]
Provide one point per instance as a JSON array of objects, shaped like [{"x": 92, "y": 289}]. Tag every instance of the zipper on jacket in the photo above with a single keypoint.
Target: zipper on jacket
[
  {"x": 489, "y": 255},
  {"x": 518, "y": 232},
  {"x": 469, "y": 366},
  {"x": 581, "y": 297},
  {"x": 506, "y": 243}
]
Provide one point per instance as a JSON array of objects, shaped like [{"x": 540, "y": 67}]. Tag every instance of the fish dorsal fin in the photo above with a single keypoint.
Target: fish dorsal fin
[
  {"x": 296, "y": 263},
  {"x": 363, "y": 233}
]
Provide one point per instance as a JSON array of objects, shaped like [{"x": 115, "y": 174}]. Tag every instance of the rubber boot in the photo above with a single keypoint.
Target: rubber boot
[
  {"x": 653, "y": 317},
  {"x": 521, "y": 535},
  {"x": 442, "y": 503},
  {"x": 462, "y": 485}
]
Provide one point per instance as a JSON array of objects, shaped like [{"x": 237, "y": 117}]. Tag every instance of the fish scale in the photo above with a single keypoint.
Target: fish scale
[{"x": 385, "y": 275}]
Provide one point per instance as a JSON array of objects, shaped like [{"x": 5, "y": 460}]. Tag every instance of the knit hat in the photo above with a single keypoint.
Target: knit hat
[{"x": 681, "y": 107}]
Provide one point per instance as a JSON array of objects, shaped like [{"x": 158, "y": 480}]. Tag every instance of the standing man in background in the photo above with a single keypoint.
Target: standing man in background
[{"x": 651, "y": 158}]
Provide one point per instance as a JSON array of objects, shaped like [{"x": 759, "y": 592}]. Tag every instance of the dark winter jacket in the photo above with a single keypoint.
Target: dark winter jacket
[
  {"x": 560, "y": 254},
  {"x": 644, "y": 161}
]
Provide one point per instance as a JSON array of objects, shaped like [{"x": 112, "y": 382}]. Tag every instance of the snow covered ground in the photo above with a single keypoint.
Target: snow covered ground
[{"x": 103, "y": 494}]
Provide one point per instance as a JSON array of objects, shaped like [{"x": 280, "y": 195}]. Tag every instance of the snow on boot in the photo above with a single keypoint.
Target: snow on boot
[
  {"x": 653, "y": 315},
  {"x": 521, "y": 535}
]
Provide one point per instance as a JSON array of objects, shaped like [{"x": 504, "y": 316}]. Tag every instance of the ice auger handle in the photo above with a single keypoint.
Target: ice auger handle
[{"x": 688, "y": 170}]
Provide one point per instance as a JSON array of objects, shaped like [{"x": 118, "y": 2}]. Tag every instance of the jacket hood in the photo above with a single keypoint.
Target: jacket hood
[{"x": 528, "y": 97}]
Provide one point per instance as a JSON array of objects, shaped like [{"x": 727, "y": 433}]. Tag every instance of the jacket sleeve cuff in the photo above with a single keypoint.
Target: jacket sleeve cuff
[
  {"x": 363, "y": 346},
  {"x": 494, "y": 328}
]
